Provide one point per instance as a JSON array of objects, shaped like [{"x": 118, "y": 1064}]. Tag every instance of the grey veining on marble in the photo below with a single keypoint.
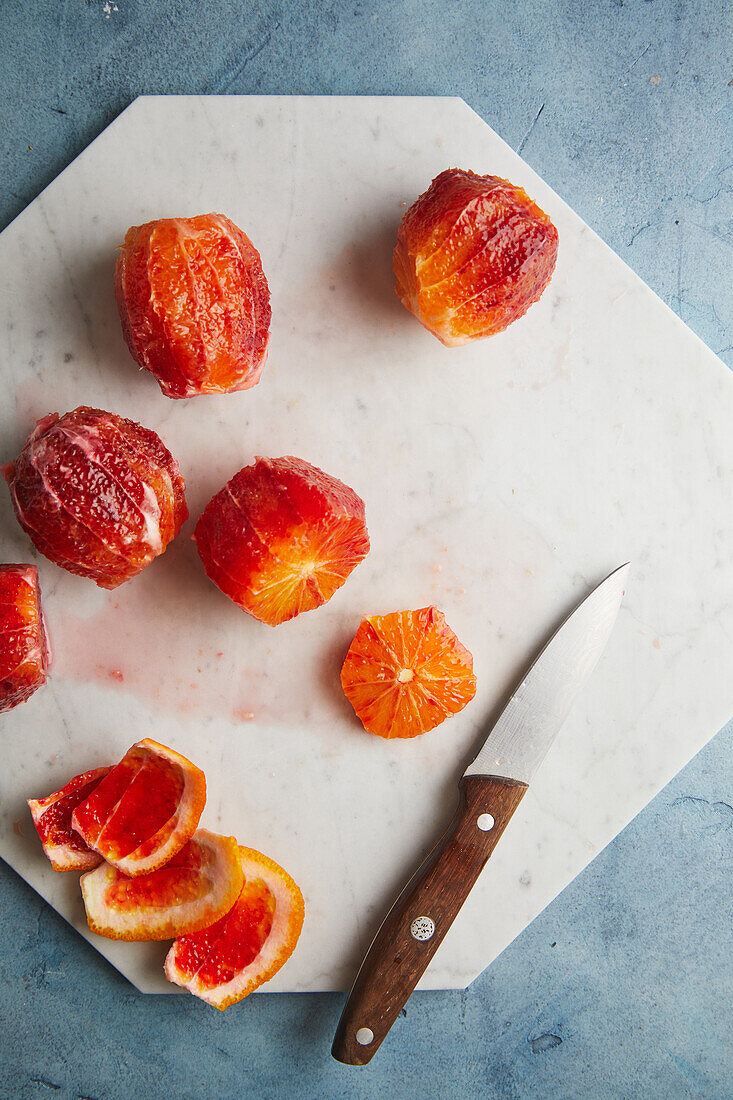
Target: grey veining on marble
[{"x": 501, "y": 481}]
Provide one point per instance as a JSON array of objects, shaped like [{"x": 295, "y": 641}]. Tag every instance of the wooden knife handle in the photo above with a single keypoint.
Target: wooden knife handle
[{"x": 414, "y": 928}]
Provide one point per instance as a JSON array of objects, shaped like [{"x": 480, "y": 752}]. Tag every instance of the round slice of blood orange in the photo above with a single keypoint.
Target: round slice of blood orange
[
  {"x": 52, "y": 819},
  {"x": 145, "y": 810},
  {"x": 194, "y": 889},
  {"x": 228, "y": 961},
  {"x": 407, "y": 672}
]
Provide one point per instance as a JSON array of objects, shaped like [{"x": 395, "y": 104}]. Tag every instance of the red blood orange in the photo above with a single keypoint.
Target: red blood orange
[
  {"x": 193, "y": 890},
  {"x": 473, "y": 253},
  {"x": 406, "y": 672},
  {"x": 225, "y": 962},
  {"x": 97, "y": 494},
  {"x": 145, "y": 810},
  {"x": 52, "y": 819},
  {"x": 281, "y": 537},
  {"x": 24, "y": 655},
  {"x": 194, "y": 304}
]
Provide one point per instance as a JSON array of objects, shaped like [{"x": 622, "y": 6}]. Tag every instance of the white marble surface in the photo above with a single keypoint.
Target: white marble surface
[{"x": 501, "y": 481}]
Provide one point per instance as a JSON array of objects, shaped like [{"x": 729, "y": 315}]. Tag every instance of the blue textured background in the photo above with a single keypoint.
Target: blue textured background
[{"x": 622, "y": 988}]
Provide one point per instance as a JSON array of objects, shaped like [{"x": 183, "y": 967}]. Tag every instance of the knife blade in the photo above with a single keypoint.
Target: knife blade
[{"x": 490, "y": 790}]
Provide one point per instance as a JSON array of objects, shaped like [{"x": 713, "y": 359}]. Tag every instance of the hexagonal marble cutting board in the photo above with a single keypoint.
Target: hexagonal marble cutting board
[{"x": 501, "y": 481}]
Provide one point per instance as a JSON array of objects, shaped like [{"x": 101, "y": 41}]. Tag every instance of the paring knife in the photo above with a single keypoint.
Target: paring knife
[{"x": 491, "y": 788}]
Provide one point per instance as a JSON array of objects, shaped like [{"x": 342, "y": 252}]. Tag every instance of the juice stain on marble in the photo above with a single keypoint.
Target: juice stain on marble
[
  {"x": 172, "y": 641},
  {"x": 169, "y": 670}
]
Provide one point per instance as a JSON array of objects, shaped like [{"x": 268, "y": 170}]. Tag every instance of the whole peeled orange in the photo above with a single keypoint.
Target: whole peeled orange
[
  {"x": 194, "y": 304},
  {"x": 99, "y": 495},
  {"x": 473, "y": 253},
  {"x": 407, "y": 672},
  {"x": 281, "y": 537}
]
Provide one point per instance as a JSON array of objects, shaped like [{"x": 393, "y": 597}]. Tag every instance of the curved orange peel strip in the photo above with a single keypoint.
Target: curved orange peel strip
[
  {"x": 103, "y": 819},
  {"x": 195, "y": 889},
  {"x": 51, "y": 815},
  {"x": 287, "y": 912}
]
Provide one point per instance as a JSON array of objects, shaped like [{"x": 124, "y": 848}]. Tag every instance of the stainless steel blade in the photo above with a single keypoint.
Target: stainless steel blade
[{"x": 526, "y": 728}]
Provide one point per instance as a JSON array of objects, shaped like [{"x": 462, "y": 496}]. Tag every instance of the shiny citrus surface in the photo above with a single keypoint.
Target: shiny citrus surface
[
  {"x": 473, "y": 253},
  {"x": 281, "y": 537}
]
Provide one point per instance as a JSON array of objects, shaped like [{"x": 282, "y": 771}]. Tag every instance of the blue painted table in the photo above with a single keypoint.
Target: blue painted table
[{"x": 622, "y": 987}]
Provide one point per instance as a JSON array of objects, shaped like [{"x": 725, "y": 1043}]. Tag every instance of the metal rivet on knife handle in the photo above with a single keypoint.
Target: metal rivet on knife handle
[{"x": 422, "y": 928}]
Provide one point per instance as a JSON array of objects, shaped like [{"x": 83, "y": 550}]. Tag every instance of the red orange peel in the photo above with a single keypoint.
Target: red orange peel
[
  {"x": 52, "y": 818},
  {"x": 193, "y": 890},
  {"x": 226, "y": 962},
  {"x": 145, "y": 810}
]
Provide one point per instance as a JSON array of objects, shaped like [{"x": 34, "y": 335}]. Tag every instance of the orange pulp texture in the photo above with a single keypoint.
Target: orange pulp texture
[
  {"x": 220, "y": 951},
  {"x": 195, "y": 888},
  {"x": 228, "y": 960},
  {"x": 52, "y": 818},
  {"x": 145, "y": 810}
]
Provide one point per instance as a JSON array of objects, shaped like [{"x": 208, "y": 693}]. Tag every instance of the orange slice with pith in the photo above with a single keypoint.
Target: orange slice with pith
[
  {"x": 194, "y": 889},
  {"x": 407, "y": 672},
  {"x": 52, "y": 819},
  {"x": 227, "y": 961},
  {"x": 145, "y": 810}
]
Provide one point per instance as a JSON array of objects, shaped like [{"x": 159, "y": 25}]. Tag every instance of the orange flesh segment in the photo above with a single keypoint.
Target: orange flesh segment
[
  {"x": 192, "y": 891},
  {"x": 407, "y": 672},
  {"x": 54, "y": 824},
  {"x": 217, "y": 953},
  {"x": 149, "y": 804},
  {"x": 145, "y": 810},
  {"x": 179, "y": 882},
  {"x": 230, "y": 959},
  {"x": 137, "y": 798}
]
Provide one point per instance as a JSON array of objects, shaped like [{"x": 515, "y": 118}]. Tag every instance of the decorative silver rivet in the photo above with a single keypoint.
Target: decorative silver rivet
[
  {"x": 485, "y": 822},
  {"x": 364, "y": 1036},
  {"x": 422, "y": 928}
]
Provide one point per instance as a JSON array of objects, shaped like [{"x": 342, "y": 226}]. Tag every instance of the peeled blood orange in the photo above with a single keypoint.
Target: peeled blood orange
[
  {"x": 145, "y": 810},
  {"x": 473, "y": 253},
  {"x": 225, "y": 962},
  {"x": 97, "y": 494},
  {"x": 281, "y": 537},
  {"x": 407, "y": 672},
  {"x": 193, "y": 890},
  {"x": 52, "y": 818},
  {"x": 194, "y": 304},
  {"x": 24, "y": 654}
]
